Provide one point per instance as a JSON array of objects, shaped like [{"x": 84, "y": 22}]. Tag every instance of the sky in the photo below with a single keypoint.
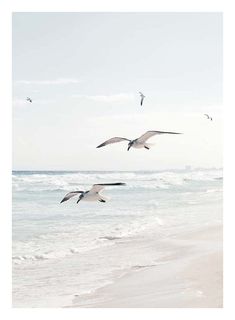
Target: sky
[{"x": 84, "y": 72}]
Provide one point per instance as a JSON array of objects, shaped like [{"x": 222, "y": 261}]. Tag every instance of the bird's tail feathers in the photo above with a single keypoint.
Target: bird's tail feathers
[
  {"x": 103, "y": 198},
  {"x": 149, "y": 144}
]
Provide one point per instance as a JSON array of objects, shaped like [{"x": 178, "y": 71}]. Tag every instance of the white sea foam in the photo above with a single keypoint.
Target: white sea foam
[
  {"x": 213, "y": 190},
  {"x": 79, "y": 180}
]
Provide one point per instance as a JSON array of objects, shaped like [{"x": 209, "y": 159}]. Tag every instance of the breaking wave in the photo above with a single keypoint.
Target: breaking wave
[{"x": 60, "y": 181}]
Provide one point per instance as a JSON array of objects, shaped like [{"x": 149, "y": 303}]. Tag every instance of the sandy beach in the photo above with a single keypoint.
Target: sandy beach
[{"x": 192, "y": 278}]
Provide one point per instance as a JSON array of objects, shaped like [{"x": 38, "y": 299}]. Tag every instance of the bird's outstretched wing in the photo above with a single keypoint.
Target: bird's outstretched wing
[
  {"x": 206, "y": 115},
  {"x": 141, "y": 101},
  {"x": 149, "y": 134},
  {"x": 112, "y": 140},
  {"x": 70, "y": 195},
  {"x": 99, "y": 186}
]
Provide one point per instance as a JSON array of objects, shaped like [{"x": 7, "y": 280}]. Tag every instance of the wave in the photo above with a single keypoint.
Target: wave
[
  {"x": 37, "y": 182},
  {"x": 60, "y": 245},
  {"x": 61, "y": 253},
  {"x": 19, "y": 258},
  {"x": 213, "y": 190}
]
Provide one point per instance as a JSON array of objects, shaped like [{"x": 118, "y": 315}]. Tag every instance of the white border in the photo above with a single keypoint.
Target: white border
[{"x": 229, "y": 106}]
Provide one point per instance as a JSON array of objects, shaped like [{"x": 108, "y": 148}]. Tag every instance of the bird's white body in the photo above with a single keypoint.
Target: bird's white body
[
  {"x": 91, "y": 196},
  {"x": 139, "y": 145}
]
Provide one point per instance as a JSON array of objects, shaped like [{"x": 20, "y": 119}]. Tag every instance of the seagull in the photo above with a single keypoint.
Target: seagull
[
  {"x": 29, "y": 99},
  {"x": 92, "y": 194},
  {"x": 142, "y": 98},
  {"x": 136, "y": 143},
  {"x": 208, "y": 117}
]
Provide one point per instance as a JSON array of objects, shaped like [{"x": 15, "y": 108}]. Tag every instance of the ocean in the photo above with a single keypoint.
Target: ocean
[{"x": 63, "y": 251}]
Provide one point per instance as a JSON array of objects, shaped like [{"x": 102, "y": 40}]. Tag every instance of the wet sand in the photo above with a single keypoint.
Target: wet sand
[{"x": 191, "y": 278}]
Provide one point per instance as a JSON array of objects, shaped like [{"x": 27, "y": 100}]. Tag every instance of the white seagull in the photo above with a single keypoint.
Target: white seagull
[
  {"x": 29, "y": 99},
  {"x": 92, "y": 194},
  {"x": 136, "y": 143},
  {"x": 142, "y": 98},
  {"x": 208, "y": 117}
]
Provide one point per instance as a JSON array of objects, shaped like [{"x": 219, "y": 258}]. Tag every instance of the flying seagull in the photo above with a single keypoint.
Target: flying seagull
[
  {"x": 29, "y": 99},
  {"x": 92, "y": 194},
  {"x": 208, "y": 117},
  {"x": 142, "y": 98},
  {"x": 136, "y": 143}
]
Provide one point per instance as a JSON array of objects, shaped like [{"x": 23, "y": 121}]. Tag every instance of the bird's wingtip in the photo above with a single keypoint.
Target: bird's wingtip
[{"x": 100, "y": 145}]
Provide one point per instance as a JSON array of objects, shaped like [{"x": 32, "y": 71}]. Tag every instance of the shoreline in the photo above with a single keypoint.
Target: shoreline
[{"x": 189, "y": 279}]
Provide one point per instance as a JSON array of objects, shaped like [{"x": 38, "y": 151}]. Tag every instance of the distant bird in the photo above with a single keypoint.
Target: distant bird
[
  {"x": 208, "y": 117},
  {"x": 136, "y": 143},
  {"x": 92, "y": 194},
  {"x": 142, "y": 98},
  {"x": 29, "y": 100}
]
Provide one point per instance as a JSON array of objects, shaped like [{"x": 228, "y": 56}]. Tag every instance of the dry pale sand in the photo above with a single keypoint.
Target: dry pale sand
[{"x": 190, "y": 279}]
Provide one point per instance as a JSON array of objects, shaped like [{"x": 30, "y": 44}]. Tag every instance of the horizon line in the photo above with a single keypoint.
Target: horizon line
[{"x": 77, "y": 170}]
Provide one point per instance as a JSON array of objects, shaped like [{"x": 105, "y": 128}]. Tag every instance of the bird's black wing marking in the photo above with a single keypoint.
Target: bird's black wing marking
[
  {"x": 110, "y": 184},
  {"x": 99, "y": 186},
  {"x": 70, "y": 195}
]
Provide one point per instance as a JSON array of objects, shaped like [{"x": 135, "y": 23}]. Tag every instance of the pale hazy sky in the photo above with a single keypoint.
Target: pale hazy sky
[{"x": 83, "y": 72}]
